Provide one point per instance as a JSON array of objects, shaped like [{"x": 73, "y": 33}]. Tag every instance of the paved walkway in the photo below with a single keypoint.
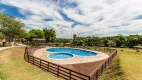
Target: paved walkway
[{"x": 3, "y": 48}]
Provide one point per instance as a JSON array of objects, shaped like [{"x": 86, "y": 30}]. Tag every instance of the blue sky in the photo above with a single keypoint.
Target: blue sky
[{"x": 86, "y": 17}]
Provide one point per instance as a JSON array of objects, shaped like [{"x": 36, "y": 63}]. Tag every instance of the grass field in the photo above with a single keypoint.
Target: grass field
[
  {"x": 13, "y": 67},
  {"x": 127, "y": 65},
  {"x": 131, "y": 63}
]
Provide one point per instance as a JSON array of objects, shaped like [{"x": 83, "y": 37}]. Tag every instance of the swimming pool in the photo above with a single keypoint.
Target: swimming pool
[
  {"x": 68, "y": 51},
  {"x": 60, "y": 55}
]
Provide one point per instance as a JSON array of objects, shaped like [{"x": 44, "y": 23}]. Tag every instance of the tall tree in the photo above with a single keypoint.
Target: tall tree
[
  {"x": 120, "y": 39},
  {"x": 50, "y": 35},
  {"x": 74, "y": 38},
  {"x": 37, "y": 33},
  {"x": 34, "y": 33},
  {"x": 105, "y": 41},
  {"x": 11, "y": 27}
]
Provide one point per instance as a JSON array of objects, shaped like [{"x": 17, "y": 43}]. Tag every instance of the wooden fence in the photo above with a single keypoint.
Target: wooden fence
[
  {"x": 100, "y": 70},
  {"x": 66, "y": 73}
]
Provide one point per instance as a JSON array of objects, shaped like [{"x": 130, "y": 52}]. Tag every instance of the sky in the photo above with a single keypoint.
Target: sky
[{"x": 81, "y": 17}]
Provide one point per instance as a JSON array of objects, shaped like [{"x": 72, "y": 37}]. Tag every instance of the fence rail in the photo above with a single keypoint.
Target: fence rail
[
  {"x": 102, "y": 68},
  {"x": 66, "y": 73}
]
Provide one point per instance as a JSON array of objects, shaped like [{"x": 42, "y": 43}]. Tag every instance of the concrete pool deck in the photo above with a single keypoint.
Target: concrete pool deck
[
  {"x": 85, "y": 65},
  {"x": 42, "y": 54}
]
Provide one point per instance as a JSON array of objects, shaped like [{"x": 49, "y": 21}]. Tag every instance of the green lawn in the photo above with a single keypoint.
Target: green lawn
[
  {"x": 13, "y": 67},
  {"x": 127, "y": 65},
  {"x": 131, "y": 63}
]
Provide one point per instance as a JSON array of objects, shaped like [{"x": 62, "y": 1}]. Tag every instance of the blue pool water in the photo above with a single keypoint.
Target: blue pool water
[
  {"x": 72, "y": 51},
  {"x": 60, "y": 55}
]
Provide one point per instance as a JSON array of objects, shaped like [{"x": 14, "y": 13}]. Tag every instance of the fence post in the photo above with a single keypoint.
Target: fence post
[
  {"x": 58, "y": 72},
  {"x": 89, "y": 78},
  {"x": 70, "y": 75},
  {"x": 105, "y": 66},
  {"x": 33, "y": 60},
  {"x": 102, "y": 69},
  {"x": 97, "y": 75},
  {"x": 48, "y": 66},
  {"x": 40, "y": 63}
]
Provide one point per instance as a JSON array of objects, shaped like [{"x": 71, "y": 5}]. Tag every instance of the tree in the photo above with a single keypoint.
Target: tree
[
  {"x": 74, "y": 38},
  {"x": 132, "y": 41},
  {"x": 11, "y": 28},
  {"x": 34, "y": 34},
  {"x": 1, "y": 35},
  {"x": 50, "y": 35},
  {"x": 105, "y": 42},
  {"x": 120, "y": 39},
  {"x": 111, "y": 43}
]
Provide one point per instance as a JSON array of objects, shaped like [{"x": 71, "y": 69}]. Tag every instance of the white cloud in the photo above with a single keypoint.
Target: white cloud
[
  {"x": 115, "y": 14},
  {"x": 106, "y": 17}
]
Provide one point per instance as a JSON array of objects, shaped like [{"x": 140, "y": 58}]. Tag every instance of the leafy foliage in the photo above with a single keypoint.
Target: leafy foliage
[
  {"x": 113, "y": 41},
  {"x": 34, "y": 34},
  {"x": 50, "y": 35},
  {"x": 11, "y": 28}
]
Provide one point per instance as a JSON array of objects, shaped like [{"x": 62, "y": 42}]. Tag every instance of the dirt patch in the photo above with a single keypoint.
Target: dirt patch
[{"x": 4, "y": 57}]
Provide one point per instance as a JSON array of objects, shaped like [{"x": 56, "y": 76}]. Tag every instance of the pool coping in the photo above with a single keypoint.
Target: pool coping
[
  {"x": 70, "y": 53},
  {"x": 60, "y": 52},
  {"x": 73, "y": 60}
]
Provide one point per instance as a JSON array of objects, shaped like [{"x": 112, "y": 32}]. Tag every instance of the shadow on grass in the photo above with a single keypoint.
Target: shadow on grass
[{"x": 113, "y": 72}]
